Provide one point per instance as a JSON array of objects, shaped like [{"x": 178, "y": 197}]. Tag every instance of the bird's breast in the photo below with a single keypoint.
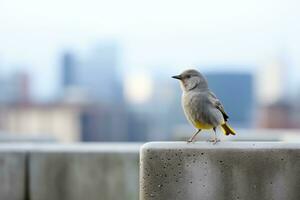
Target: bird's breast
[{"x": 192, "y": 112}]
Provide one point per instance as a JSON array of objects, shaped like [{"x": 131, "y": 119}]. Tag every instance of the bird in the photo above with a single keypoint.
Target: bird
[{"x": 201, "y": 106}]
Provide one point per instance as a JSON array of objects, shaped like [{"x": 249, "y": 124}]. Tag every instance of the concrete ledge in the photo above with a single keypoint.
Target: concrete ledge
[
  {"x": 69, "y": 172},
  {"x": 226, "y": 171},
  {"x": 12, "y": 174},
  {"x": 85, "y": 171}
]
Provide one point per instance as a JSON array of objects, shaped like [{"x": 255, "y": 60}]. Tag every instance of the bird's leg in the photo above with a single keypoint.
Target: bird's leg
[
  {"x": 215, "y": 139},
  {"x": 193, "y": 137}
]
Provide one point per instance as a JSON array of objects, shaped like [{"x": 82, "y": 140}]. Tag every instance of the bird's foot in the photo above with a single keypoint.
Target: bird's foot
[
  {"x": 191, "y": 141},
  {"x": 214, "y": 140}
]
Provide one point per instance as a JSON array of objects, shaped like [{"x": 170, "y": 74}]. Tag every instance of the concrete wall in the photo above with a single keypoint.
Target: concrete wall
[
  {"x": 12, "y": 174},
  {"x": 243, "y": 171},
  {"x": 69, "y": 172},
  {"x": 225, "y": 171}
]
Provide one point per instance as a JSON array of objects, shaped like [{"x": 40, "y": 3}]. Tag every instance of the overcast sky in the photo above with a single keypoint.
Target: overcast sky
[{"x": 166, "y": 35}]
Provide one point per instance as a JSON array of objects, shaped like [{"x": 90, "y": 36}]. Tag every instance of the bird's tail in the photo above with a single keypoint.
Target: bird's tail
[{"x": 227, "y": 129}]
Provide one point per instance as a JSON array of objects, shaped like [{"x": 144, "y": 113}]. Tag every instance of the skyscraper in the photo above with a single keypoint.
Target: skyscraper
[
  {"x": 96, "y": 74},
  {"x": 15, "y": 89},
  {"x": 68, "y": 69},
  {"x": 93, "y": 80}
]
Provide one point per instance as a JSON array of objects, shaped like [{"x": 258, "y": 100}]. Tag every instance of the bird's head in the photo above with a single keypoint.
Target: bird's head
[{"x": 191, "y": 79}]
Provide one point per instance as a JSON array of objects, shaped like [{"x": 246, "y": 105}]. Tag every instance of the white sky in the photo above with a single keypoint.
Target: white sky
[{"x": 166, "y": 34}]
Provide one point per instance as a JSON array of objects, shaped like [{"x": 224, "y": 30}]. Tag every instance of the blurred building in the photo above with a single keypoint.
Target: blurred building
[
  {"x": 15, "y": 88},
  {"x": 94, "y": 76},
  {"x": 57, "y": 121},
  {"x": 72, "y": 122},
  {"x": 161, "y": 109},
  {"x": 279, "y": 115},
  {"x": 165, "y": 108},
  {"x": 69, "y": 65},
  {"x": 235, "y": 90},
  {"x": 272, "y": 80},
  {"x": 138, "y": 126},
  {"x": 93, "y": 80},
  {"x": 104, "y": 123},
  {"x": 277, "y": 107}
]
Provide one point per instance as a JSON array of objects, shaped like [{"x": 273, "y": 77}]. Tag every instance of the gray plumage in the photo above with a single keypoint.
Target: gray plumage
[{"x": 200, "y": 106}]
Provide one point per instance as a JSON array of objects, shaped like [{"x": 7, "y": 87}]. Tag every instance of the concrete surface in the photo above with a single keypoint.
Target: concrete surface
[
  {"x": 86, "y": 171},
  {"x": 225, "y": 171},
  {"x": 12, "y": 174},
  {"x": 90, "y": 171}
]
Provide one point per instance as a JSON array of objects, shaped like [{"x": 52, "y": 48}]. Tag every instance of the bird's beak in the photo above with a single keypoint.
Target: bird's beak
[{"x": 177, "y": 77}]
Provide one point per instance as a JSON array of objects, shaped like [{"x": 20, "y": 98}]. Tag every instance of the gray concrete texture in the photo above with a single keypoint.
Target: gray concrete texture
[
  {"x": 12, "y": 174},
  {"x": 92, "y": 172},
  {"x": 225, "y": 171},
  {"x": 69, "y": 172}
]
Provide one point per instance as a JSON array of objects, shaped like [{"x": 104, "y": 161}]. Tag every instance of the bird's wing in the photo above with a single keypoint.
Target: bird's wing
[{"x": 216, "y": 102}]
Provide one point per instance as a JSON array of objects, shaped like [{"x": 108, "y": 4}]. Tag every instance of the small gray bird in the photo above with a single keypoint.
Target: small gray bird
[{"x": 201, "y": 107}]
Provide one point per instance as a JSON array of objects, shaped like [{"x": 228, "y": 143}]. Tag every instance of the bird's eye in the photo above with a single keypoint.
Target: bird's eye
[{"x": 188, "y": 76}]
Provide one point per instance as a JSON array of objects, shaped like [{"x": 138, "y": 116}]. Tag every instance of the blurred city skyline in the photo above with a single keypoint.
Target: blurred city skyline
[
  {"x": 153, "y": 37},
  {"x": 101, "y": 71}
]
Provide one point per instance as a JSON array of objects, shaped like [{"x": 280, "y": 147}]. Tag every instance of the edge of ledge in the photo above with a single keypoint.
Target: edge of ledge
[
  {"x": 112, "y": 147},
  {"x": 220, "y": 145}
]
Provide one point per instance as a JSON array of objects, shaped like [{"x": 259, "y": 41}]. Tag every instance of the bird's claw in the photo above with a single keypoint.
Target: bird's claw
[
  {"x": 214, "y": 140},
  {"x": 190, "y": 141}
]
